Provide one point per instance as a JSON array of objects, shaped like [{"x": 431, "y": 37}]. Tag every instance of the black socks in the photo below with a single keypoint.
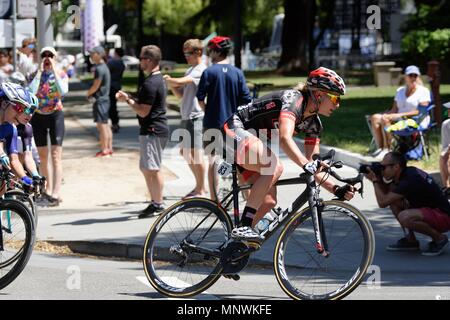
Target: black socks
[{"x": 247, "y": 216}]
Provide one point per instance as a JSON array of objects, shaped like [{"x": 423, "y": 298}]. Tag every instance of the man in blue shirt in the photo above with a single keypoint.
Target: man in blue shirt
[{"x": 225, "y": 88}]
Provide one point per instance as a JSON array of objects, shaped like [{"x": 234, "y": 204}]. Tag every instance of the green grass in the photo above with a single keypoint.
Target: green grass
[{"x": 347, "y": 128}]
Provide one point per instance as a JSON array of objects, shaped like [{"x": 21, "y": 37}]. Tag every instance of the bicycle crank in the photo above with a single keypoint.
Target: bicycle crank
[{"x": 235, "y": 257}]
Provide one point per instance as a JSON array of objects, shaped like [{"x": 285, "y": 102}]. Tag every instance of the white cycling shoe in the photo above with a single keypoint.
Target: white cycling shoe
[{"x": 246, "y": 234}]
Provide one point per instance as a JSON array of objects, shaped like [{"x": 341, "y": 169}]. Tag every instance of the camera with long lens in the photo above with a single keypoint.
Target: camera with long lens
[{"x": 376, "y": 167}]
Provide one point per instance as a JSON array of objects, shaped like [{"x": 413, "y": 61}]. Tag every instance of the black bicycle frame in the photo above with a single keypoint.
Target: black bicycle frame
[{"x": 308, "y": 195}]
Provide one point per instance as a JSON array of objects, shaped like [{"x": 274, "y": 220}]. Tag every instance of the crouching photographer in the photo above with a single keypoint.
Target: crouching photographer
[{"x": 415, "y": 199}]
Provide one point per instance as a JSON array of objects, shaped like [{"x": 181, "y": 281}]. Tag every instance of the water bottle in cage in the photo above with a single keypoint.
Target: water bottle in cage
[{"x": 264, "y": 223}]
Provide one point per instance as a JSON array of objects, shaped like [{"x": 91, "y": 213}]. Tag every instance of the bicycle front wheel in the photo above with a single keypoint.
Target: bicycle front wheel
[
  {"x": 18, "y": 236},
  {"x": 26, "y": 199},
  {"x": 305, "y": 274},
  {"x": 183, "y": 248}
]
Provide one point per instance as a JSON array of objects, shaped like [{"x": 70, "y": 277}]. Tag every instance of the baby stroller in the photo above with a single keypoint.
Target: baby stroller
[{"x": 410, "y": 134}]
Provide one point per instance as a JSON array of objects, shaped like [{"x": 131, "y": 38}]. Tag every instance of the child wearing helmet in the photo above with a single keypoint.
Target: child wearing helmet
[{"x": 287, "y": 112}]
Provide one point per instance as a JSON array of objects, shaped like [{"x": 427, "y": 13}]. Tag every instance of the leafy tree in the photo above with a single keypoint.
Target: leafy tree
[
  {"x": 298, "y": 42},
  {"x": 427, "y": 33},
  {"x": 169, "y": 15}
]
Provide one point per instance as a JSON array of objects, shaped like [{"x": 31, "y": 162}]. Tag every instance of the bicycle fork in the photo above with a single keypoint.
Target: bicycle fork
[{"x": 316, "y": 206}]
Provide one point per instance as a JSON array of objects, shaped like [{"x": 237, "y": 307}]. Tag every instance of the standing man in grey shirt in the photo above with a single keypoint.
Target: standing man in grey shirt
[
  {"x": 100, "y": 91},
  {"x": 191, "y": 113}
]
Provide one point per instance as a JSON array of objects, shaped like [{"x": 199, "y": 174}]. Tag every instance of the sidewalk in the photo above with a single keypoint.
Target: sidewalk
[{"x": 103, "y": 196}]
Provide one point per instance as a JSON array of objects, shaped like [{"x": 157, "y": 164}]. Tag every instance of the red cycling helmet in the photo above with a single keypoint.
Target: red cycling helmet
[
  {"x": 326, "y": 80},
  {"x": 220, "y": 43}
]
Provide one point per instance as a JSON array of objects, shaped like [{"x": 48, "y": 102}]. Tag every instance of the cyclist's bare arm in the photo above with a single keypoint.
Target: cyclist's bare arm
[
  {"x": 16, "y": 165},
  {"x": 291, "y": 149},
  {"x": 29, "y": 161},
  {"x": 313, "y": 147},
  {"x": 287, "y": 143}
]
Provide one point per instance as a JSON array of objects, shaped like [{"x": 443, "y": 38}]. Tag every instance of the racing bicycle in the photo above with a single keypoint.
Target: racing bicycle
[
  {"x": 17, "y": 235},
  {"x": 322, "y": 252}
]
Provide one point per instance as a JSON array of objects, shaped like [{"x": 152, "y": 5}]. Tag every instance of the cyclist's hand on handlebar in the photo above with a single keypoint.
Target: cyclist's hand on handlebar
[
  {"x": 312, "y": 167},
  {"x": 4, "y": 160},
  {"x": 38, "y": 180},
  {"x": 26, "y": 180},
  {"x": 346, "y": 192}
]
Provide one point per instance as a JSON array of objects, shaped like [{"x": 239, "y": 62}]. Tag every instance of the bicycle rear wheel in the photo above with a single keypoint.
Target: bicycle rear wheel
[
  {"x": 305, "y": 274},
  {"x": 183, "y": 248},
  {"x": 18, "y": 236}
]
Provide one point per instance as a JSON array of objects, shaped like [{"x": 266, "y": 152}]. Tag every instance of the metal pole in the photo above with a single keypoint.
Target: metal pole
[
  {"x": 44, "y": 25},
  {"x": 105, "y": 19},
  {"x": 140, "y": 43},
  {"x": 238, "y": 33},
  {"x": 14, "y": 22}
]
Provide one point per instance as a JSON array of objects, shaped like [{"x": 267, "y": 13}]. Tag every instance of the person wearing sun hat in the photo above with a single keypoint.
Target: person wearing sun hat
[
  {"x": 50, "y": 85},
  {"x": 25, "y": 62},
  {"x": 406, "y": 102}
]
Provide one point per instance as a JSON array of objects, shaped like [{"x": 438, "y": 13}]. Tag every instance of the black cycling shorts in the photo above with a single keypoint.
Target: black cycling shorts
[{"x": 53, "y": 123}]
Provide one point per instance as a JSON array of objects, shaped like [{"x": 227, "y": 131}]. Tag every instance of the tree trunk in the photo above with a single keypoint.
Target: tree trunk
[{"x": 295, "y": 36}]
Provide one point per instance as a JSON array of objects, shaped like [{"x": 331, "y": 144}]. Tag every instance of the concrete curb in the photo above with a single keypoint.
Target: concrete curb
[{"x": 127, "y": 251}]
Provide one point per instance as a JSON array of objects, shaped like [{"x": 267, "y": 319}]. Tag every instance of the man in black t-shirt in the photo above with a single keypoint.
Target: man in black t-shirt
[
  {"x": 116, "y": 67},
  {"x": 417, "y": 202},
  {"x": 150, "y": 108}
]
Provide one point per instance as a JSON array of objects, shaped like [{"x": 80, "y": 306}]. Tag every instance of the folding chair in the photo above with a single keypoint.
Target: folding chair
[{"x": 405, "y": 139}]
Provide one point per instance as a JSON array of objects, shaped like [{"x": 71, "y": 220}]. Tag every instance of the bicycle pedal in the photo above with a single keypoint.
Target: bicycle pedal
[{"x": 234, "y": 277}]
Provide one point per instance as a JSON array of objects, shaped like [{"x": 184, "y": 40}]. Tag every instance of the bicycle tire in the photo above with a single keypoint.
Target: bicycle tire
[
  {"x": 18, "y": 253},
  {"x": 346, "y": 278},
  {"x": 25, "y": 199},
  {"x": 21, "y": 258},
  {"x": 158, "y": 251}
]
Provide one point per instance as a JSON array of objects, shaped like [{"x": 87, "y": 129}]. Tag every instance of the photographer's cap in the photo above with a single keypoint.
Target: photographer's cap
[
  {"x": 98, "y": 49},
  {"x": 412, "y": 70}
]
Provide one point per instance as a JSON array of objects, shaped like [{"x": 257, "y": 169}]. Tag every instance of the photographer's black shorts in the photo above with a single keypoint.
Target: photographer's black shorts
[{"x": 53, "y": 123}]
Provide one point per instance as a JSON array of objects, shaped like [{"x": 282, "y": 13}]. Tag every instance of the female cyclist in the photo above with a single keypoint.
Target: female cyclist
[{"x": 288, "y": 112}]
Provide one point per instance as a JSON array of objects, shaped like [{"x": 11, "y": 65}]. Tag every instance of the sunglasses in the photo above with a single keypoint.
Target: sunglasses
[
  {"x": 30, "y": 111},
  {"x": 22, "y": 109},
  {"x": 144, "y": 58},
  {"x": 188, "y": 53},
  {"x": 334, "y": 99},
  {"x": 413, "y": 75}
]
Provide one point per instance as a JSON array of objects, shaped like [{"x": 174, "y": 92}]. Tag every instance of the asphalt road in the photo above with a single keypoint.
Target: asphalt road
[{"x": 54, "y": 277}]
